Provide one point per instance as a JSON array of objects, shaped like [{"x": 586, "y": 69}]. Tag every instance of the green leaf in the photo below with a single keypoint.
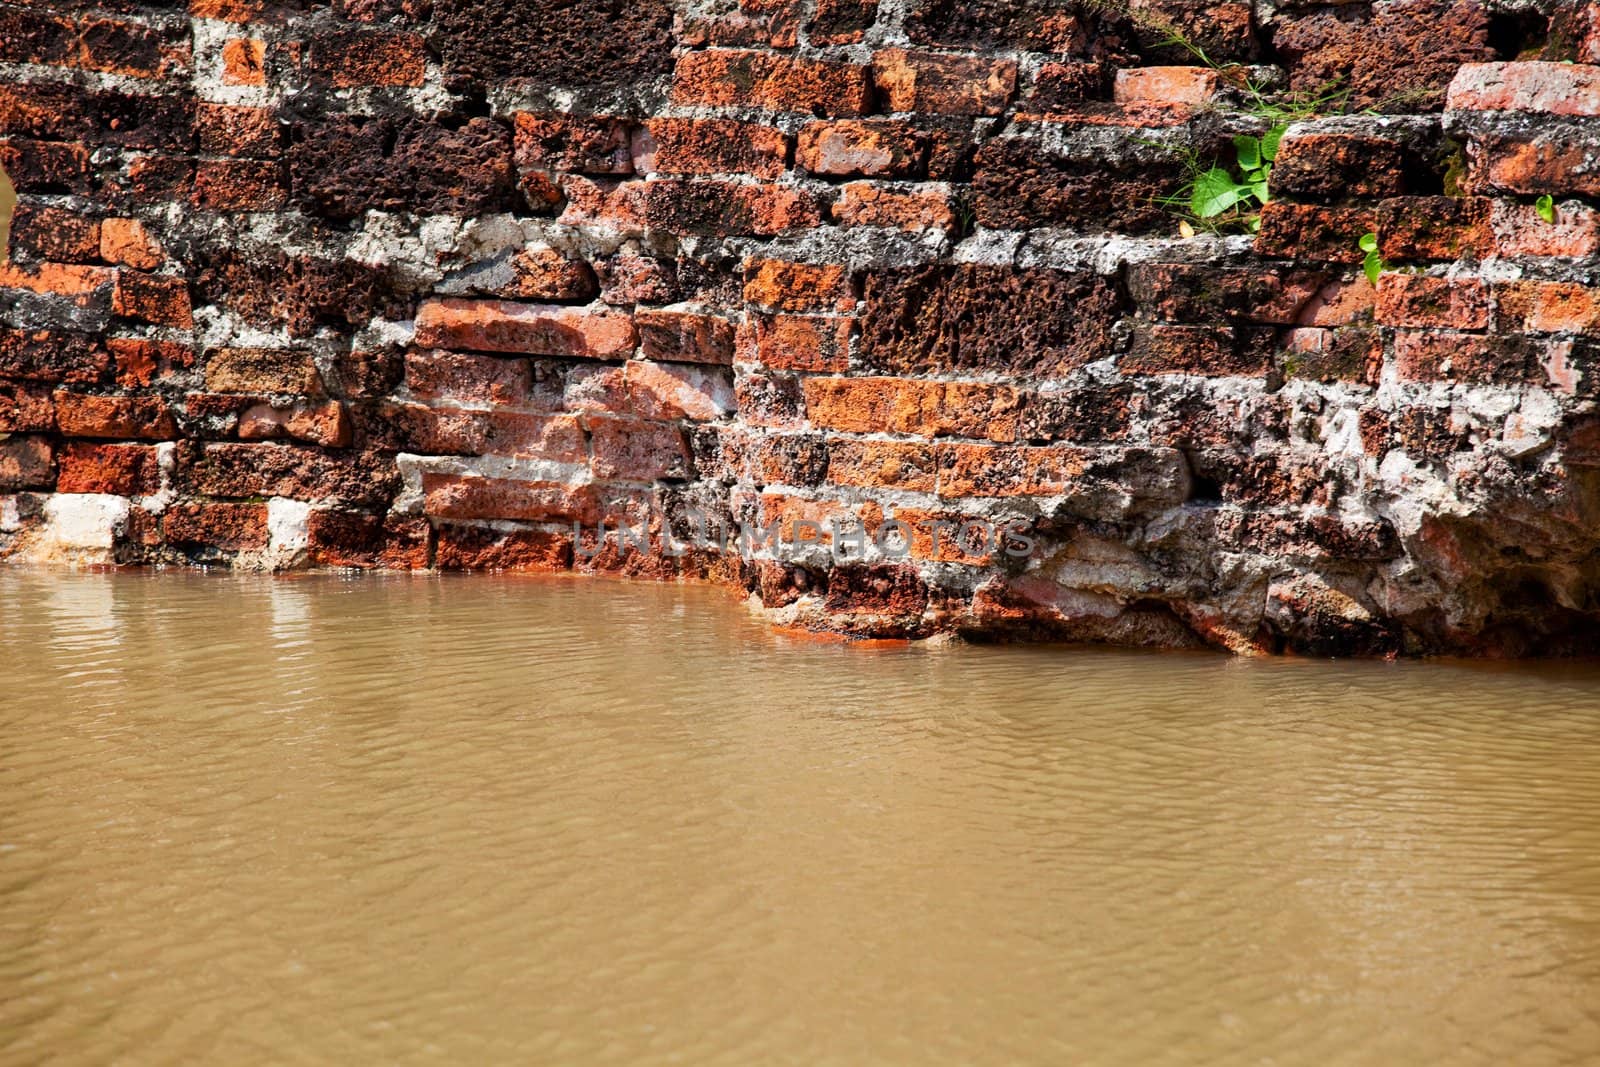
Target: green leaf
[
  {"x": 1259, "y": 190},
  {"x": 1269, "y": 143},
  {"x": 1249, "y": 149},
  {"x": 1215, "y": 191},
  {"x": 1546, "y": 207},
  {"x": 1368, "y": 242},
  {"x": 1373, "y": 265}
]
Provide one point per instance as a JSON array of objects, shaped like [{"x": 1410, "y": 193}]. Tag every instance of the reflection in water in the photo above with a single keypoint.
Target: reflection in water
[{"x": 439, "y": 820}]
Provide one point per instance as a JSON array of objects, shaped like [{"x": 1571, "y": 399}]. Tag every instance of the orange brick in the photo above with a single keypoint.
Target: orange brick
[
  {"x": 1547, "y": 307},
  {"x": 122, "y": 470},
  {"x": 59, "y": 279},
  {"x": 324, "y": 423},
  {"x": 126, "y": 242},
  {"x": 152, "y": 298},
  {"x": 945, "y": 84},
  {"x": 244, "y": 61},
  {"x": 732, "y": 78},
  {"x": 909, "y": 208},
  {"x": 1008, "y": 470},
  {"x": 803, "y": 342},
  {"x": 238, "y": 185},
  {"x": 886, "y": 148},
  {"x": 882, "y": 464},
  {"x": 717, "y": 146},
  {"x": 782, "y": 286},
  {"x": 1165, "y": 85},
  {"x": 537, "y": 329},
  {"x": 147, "y": 417}
]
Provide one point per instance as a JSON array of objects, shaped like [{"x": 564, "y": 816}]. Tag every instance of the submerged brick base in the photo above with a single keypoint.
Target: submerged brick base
[{"x": 399, "y": 284}]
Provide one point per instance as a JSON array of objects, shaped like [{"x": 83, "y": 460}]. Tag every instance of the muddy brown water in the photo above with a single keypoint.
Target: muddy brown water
[{"x": 483, "y": 820}]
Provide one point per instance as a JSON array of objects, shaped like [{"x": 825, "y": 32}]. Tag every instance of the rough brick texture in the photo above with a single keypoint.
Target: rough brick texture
[{"x": 874, "y": 311}]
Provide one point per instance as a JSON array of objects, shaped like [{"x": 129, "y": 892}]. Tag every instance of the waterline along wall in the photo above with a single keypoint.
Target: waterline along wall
[{"x": 400, "y": 284}]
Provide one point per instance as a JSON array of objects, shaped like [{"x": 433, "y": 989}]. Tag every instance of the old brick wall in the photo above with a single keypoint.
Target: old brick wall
[{"x": 410, "y": 284}]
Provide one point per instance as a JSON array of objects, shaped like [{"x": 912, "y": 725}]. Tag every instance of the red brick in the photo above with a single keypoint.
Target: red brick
[
  {"x": 1428, "y": 356},
  {"x": 728, "y": 78},
  {"x": 26, "y": 463},
  {"x": 324, "y": 423},
  {"x": 685, "y": 337},
  {"x": 127, "y": 243},
  {"x": 912, "y": 208},
  {"x": 1549, "y": 88},
  {"x": 262, "y": 370},
  {"x": 782, "y": 286},
  {"x": 474, "y": 548},
  {"x": 1419, "y": 300},
  {"x": 123, "y": 470},
  {"x": 79, "y": 415},
  {"x": 1518, "y": 230},
  {"x": 338, "y": 537},
  {"x": 366, "y": 57},
  {"x": 469, "y": 379},
  {"x": 637, "y": 450},
  {"x": 52, "y": 356},
  {"x": 238, "y": 185},
  {"x": 453, "y": 431},
  {"x": 229, "y": 130},
  {"x": 1552, "y": 159},
  {"x": 232, "y": 527},
  {"x": 943, "y": 84},
  {"x": 26, "y": 408},
  {"x": 882, "y": 464},
  {"x": 1165, "y": 85},
  {"x": 882, "y": 148},
  {"x": 537, "y": 329},
  {"x": 244, "y": 61},
  {"x": 1310, "y": 231},
  {"x": 1433, "y": 227},
  {"x": 583, "y": 144},
  {"x": 545, "y": 274},
  {"x": 620, "y": 206},
  {"x": 728, "y": 208},
  {"x": 717, "y": 146},
  {"x": 55, "y": 234},
  {"x": 650, "y": 390},
  {"x": 1211, "y": 351},
  {"x": 448, "y": 496},
  {"x": 140, "y": 360},
  {"x": 152, "y": 298},
  {"x": 803, "y": 342}
]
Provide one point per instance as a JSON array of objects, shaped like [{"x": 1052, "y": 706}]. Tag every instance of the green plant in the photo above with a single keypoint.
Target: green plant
[
  {"x": 1216, "y": 191},
  {"x": 1546, "y": 207},
  {"x": 1373, "y": 264}
]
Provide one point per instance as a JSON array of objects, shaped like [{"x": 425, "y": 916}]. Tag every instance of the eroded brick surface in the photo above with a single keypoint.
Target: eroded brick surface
[{"x": 410, "y": 284}]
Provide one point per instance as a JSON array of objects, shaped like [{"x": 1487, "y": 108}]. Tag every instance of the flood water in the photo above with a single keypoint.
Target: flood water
[{"x": 484, "y": 820}]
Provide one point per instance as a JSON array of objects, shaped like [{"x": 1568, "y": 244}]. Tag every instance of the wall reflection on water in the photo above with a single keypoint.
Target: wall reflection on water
[{"x": 437, "y": 820}]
